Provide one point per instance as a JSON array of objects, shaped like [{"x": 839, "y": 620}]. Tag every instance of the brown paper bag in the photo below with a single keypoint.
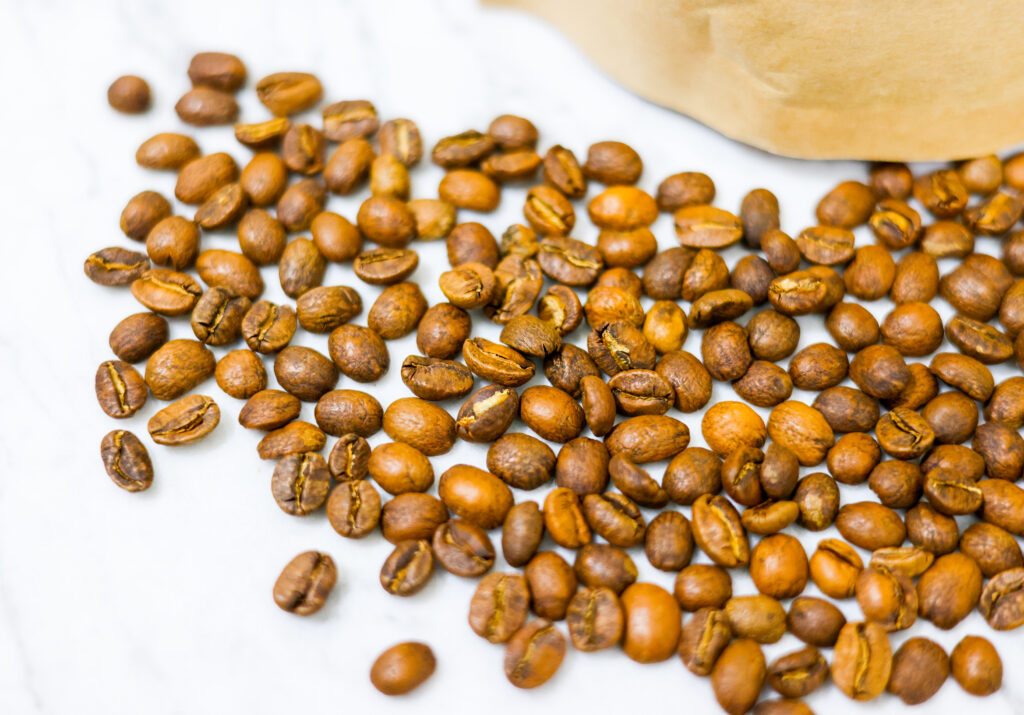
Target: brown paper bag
[{"x": 865, "y": 79}]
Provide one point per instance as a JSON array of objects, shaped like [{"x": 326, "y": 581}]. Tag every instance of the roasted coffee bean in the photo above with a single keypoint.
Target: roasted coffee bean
[
  {"x": 1002, "y": 600},
  {"x": 982, "y": 175},
  {"x": 173, "y": 242},
  {"x": 564, "y": 520},
  {"x": 595, "y": 619},
  {"x": 349, "y": 459},
  {"x": 472, "y": 243},
  {"x": 870, "y": 526},
  {"x": 142, "y": 212},
  {"x": 815, "y": 621},
  {"x": 434, "y": 379},
  {"x": 738, "y": 676},
  {"x": 1002, "y": 448},
  {"x": 533, "y": 654},
  {"x": 802, "y": 292},
  {"x": 919, "y": 668},
  {"x": 971, "y": 292},
  {"x": 425, "y": 426},
  {"x": 397, "y": 311},
  {"x": 468, "y": 189},
  {"x": 350, "y": 119},
  {"x": 606, "y": 304},
  {"x": 387, "y": 221},
  {"x": 487, "y": 414},
  {"x": 399, "y": 468},
  {"x": 348, "y": 166},
  {"x": 305, "y": 373},
  {"x": 408, "y": 569},
  {"x": 887, "y": 597},
  {"x": 129, "y": 94},
  {"x": 531, "y": 336},
  {"x": 305, "y": 583},
  {"x": 300, "y": 203},
  {"x": 218, "y": 70},
  {"x": 996, "y": 214},
  {"x": 117, "y": 267},
  {"x": 636, "y": 483},
  {"x": 976, "y": 666},
  {"x": 611, "y": 162},
  {"x": 947, "y": 239},
  {"x": 847, "y": 409},
  {"x": 261, "y": 237},
  {"x": 551, "y": 413},
  {"x": 294, "y": 438},
  {"x": 922, "y": 388},
  {"x": 753, "y": 276},
  {"x": 727, "y": 426},
  {"x": 978, "y": 340},
  {"x": 522, "y": 533},
  {"x": 778, "y": 566},
  {"x": 126, "y": 460},
  {"x": 718, "y": 531},
  {"x": 949, "y": 590},
  {"x": 521, "y": 461},
  {"x": 704, "y": 226},
  {"x": 627, "y": 248},
  {"x": 353, "y": 508},
  {"x": 286, "y": 93},
  {"x": 340, "y": 412},
  {"x": 201, "y": 177},
  {"x": 717, "y": 306},
  {"x": 959, "y": 458},
  {"x": 799, "y": 673},
  {"x": 499, "y": 607},
  {"x": 582, "y": 466},
  {"x": 389, "y": 177},
  {"x": 689, "y": 188},
  {"x": 475, "y": 495},
  {"x": 495, "y": 362},
  {"x": 359, "y": 352},
  {"x": 665, "y": 326},
  {"x": 725, "y": 351},
  {"x": 552, "y": 584},
  {"x": 772, "y": 336},
  {"x": 468, "y": 286},
  {"x": 412, "y": 515},
  {"x": 166, "y": 151},
  {"x": 931, "y": 530},
  {"x": 952, "y": 493},
  {"x": 760, "y": 618},
  {"x": 688, "y": 377},
  {"x": 120, "y": 389},
  {"x": 862, "y": 661},
  {"x": 218, "y": 315},
  {"x": 911, "y": 560},
  {"x": 769, "y": 517},
  {"x": 561, "y": 306},
  {"x": 663, "y": 276},
  {"x": 692, "y": 473},
  {"x": 703, "y": 639},
  {"x": 965, "y": 374},
  {"x": 826, "y": 245},
  {"x": 185, "y": 421},
  {"x": 622, "y": 208},
  {"x": 511, "y": 166},
  {"x": 300, "y": 483},
  {"x": 269, "y": 410},
  {"x": 463, "y": 548},
  {"x": 702, "y": 586},
  {"x": 598, "y": 404},
  {"x": 268, "y": 328},
  {"x": 895, "y": 224},
  {"x": 402, "y": 668},
  {"x": 442, "y": 331},
  {"x": 641, "y": 392},
  {"x": 834, "y": 568},
  {"x": 741, "y": 472},
  {"x": 463, "y": 149},
  {"x": 385, "y": 266},
  {"x": 262, "y": 135},
  {"x": 563, "y": 172},
  {"x": 993, "y": 548},
  {"x": 941, "y": 192},
  {"x": 847, "y": 205},
  {"x": 178, "y": 366},
  {"x": 904, "y": 434},
  {"x": 818, "y": 498},
  {"x": 898, "y": 484},
  {"x": 224, "y": 207},
  {"x": 880, "y": 371},
  {"x": 707, "y": 272},
  {"x": 648, "y": 438},
  {"x": 615, "y": 518},
  {"x": 668, "y": 542},
  {"x": 653, "y": 623},
  {"x": 566, "y": 367}
]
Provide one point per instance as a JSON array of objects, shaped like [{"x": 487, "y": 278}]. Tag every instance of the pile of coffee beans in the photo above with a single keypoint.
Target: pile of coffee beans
[{"x": 931, "y": 433}]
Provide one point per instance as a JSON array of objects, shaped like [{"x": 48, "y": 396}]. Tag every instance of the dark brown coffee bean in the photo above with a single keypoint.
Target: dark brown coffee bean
[
  {"x": 799, "y": 673},
  {"x": 852, "y": 326},
  {"x": 305, "y": 583},
  {"x": 550, "y": 412},
  {"x": 261, "y": 236},
  {"x": 348, "y": 166},
  {"x": 268, "y": 328},
  {"x": 408, "y": 569},
  {"x": 475, "y": 495},
  {"x": 166, "y": 151},
  {"x": 324, "y": 308},
  {"x": 598, "y": 404},
  {"x": 922, "y": 388},
  {"x": 117, "y": 267},
  {"x": 993, "y": 548},
  {"x": 693, "y": 472},
  {"x": 818, "y": 498},
  {"x": 187, "y": 420},
  {"x": 487, "y": 414},
  {"x": 218, "y": 315},
  {"x": 358, "y": 352},
  {"x": 904, "y": 434},
  {"x": 349, "y": 459},
  {"x": 952, "y": 416},
  {"x": 931, "y": 530},
  {"x": 224, "y": 207},
  {"x": 497, "y": 363},
  {"x": 595, "y": 619},
  {"x": 300, "y": 203},
  {"x": 947, "y": 239},
  {"x": 702, "y": 586},
  {"x": 949, "y": 590},
  {"x": 295, "y": 437},
  {"x": 397, "y": 311},
  {"x": 353, "y": 509},
  {"x": 402, "y": 668},
  {"x": 142, "y": 212},
  {"x": 531, "y": 336},
  {"x": 385, "y": 266},
  {"x": 772, "y": 336},
  {"x": 614, "y": 517},
  {"x": 302, "y": 149},
  {"x": 780, "y": 470},
  {"x": 340, "y": 412},
  {"x": 126, "y": 460},
  {"x": 300, "y": 483},
  {"x": 1002, "y": 448},
  {"x": 443, "y": 330},
  {"x": 880, "y": 371},
  {"x": 741, "y": 472},
  {"x": 668, "y": 542},
  {"x": 798, "y": 293},
  {"x": 399, "y": 468},
  {"x": 648, "y": 438},
  {"x": 688, "y": 188},
  {"x": 201, "y": 177},
  {"x": 177, "y": 367},
  {"x": 120, "y": 389},
  {"x": 522, "y": 533},
  {"x": 533, "y": 654},
  {"x": 304, "y": 372},
  {"x": 301, "y": 268},
  {"x": 971, "y": 292},
  {"x": 641, "y": 392},
  {"x": 562, "y": 171},
  {"x": 847, "y": 205},
  {"x": 218, "y": 70},
  {"x": 815, "y": 621},
  {"x": 518, "y": 283},
  {"x": 862, "y": 661},
  {"x": 915, "y": 329},
  {"x": 425, "y": 426},
  {"x": 604, "y": 566},
  {"x": 898, "y": 484},
  {"x": 499, "y": 607},
  {"x": 703, "y": 639},
  {"x": 463, "y": 548},
  {"x": 919, "y": 668},
  {"x": 269, "y": 409},
  {"x": 764, "y": 384},
  {"x": 959, "y": 458},
  {"x": 566, "y": 367},
  {"x": 521, "y": 461},
  {"x": 847, "y": 409},
  {"x": 434, "y": 379},
  {"x": 718, "y": 531}
]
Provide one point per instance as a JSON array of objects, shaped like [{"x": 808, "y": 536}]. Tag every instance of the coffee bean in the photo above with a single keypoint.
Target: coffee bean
[
  {"x": 499, "y": 607},
  {"x": 778, "y": 566},
  {"x": 653, "y": 623},
  {"x": 305, "y": 583},
  {"x": 941, "y": 192},
  {"x": 268, "y": 328},
  {"x": 385, "y": 266},
  {"x": 615, "y": 518},
  {"x": 949, "y": 590},
  {"x": 533, "y": 654},
  {"x": 399, "y": 468},
  {"x": 769, "y": 517},
  {"x": 218, "y": 316},
  {"x": 354, "y": 509},
  {"x": 166, "y": 151},
  {"x": 300, "y": 483},
  {"x": 412, "y": 515},
  {"x": 668, "y": 542},
  {"x": 870, "y": 526},
  {"x": 286, "y": 93},
  {"x": 201, "y": 177},
  {"x": 911, "y": 560},
  {"x": 262, "y": 135},
  {"x": 230, "y": 270},
  {"x": 611, "y": 162},
  {"x": 487, "y": 414},
  {"x": 648, "y": 438},
  {"x": 142, "y": 212},
  {"x": 408, "y": 569},
  {"x": 595, "y": 619},
  {"x": 703, "y": 639},
  {"x": 442, "y": 332},
  {"x": 324, "y": 308},
  {"x": 261, "y": 237},
  {"x": 129, "y": 94},
  {"x": 895, "y": 224},
  {"x": 718, "y": 531},
  {"x": 402, "y": 668},
  {"x": 564, "y": 520},
  {"x": 469, "y": 189},
  {"x": 269, "y": 410},
  {"x": 341, "y": 412},
  {"x": 521, "y": 461},
  {"x": 463, "y": 549},
  {"x": 187, "y": 420},
  {"x": 919, "y": 668},
  {"x": 552, "y": 584},
  {"x": 622, "y": 208},
  {"x": 976, "y": 666},
  {"x": 299, "y": 204},
  {"x": 689, "y": 188},
  {"x": 305, "y": 373},
  {"x": 604, "y": 566},
  {"x": 178, "y": 366},
  {"x": 1002, "y": 449},
  {"x": 760, "y": 618},
  {"x": 116, "y": 267},
  {"x": 397, "y": 311},
  {"x": 511, "y": 132},
  {"x": 834, "y": 568},
  {"x": 815, "y": 621},
  {"x": 301, "y": 267},
  {"x": 206, "y": 106},
  {"x": 126, "y": 460},
  {"x": 173, "y": 242},
  {"x": 887, "y": 596},
  {"x": 799, "y": 673},
  {"x": 862, "y": 661},
  {"x": 566, "y": 367},
  {"x": 993, "y": 548},
  {"x": 817, "y": 495},
  {"x": 475, "y": 495},
  {"x": 497, "y": 363},
  {"x": 522, "y": 533},
  {"x": 120, "y": 389},
  {"x": 425, "y": 426},
  {"x": 358, "y": 352}
]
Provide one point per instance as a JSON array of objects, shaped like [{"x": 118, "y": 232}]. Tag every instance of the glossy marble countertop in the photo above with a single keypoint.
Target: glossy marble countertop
[{"x": 159, "y": 602}]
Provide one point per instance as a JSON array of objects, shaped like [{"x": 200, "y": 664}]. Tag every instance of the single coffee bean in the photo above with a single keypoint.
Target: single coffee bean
[
  {"x": 653, "y": 623},
  {"x": 815, "y": 621},
  {"x": 304, "y": 372},
  {"x": 533, "y": 654},
  {"x": 564, "y": 520},
  {"x": 706, "y": 227},
  {"x": 759, "y": 617},
  {"x": 497, "y": 363},
  {"x": 738, "y": 676},
  {"x": 978, "y": 340},
  {"x": 692, "y": 473},
  {"x": 634, "y": 481},
  {"x": 224, "y": 207},
  {"x": 268, "y": 328},
  {"x": 862, "y": 661},
  {"x": 348, "y": 166},
  {"x": 218, "y": 70},
  {"x": 142, "y": 212},
  {"x": 300, "y": 483},
  {"x": 802, "y": 430},
  {"x": 402, "y": 668},
  {"x": 301, "y": 268},
  {"x": 700, "y": 586},
  {"x": 911, "y": 560},
  {"x": 847, "y": 205},
  {"x": 300, "y": 203},
  {"x": 941, "y": 192},
  {"x": 799, "y": 673},
  {"x": 269, "y": 410},
  {"x": 354, "y": 509},
  {"x": 443, "y": 330},
  {"x": 780, "y": 471},
  {"x": 521, "y": 461},
  {"x": 286, "y": 93},
  {"x": 201, "y": 177},
  {"x": 385, "y": 266},
  {"x": 552, "y": 585},
  {"x": 488, "y": 413},
  {"x": 778, "y": 566},
  {"x": 931, "y": 530},
  {"x": 120, "y": 389},
  {"x": 129, "y": 94},
  {"x": 818, "y": 367},
  {"x": 561, "y": 306},
  {"x": 764, "y": 384},
  {"x": 1002, "y": 449},
  {"x": 187, "y": 420},
  {"x": 126, "y": 460},
  {"x": 434, "y": 379},
  {"x": 648, "y": 438},
  {"x": 852, "y": 327},
  {"x": 835, "y": 567},
  {"x": 847, "y": 409},
  {"x": 499, "y": 607},
  {"x": 615, "y": 518},
  {"x": 769, "y": 517},
  {"x": 887, "y": 596},
  {"x": 117, "y": 267},
  {"x": 870, "y": 526},
  {"x": 408, "y": 569},
  {"x": 350, "y": 119},
  {"x": 611, "y": 162},
  {"x": 904, "y": 434},
  {"x": 965, "y": 374},
  {"x": 689, "y": 188},
  {"x": 817, "y": 495},
  {"x": 919, "y": 668},
  {"x": 729, "y": 425},
  {"x": 412, "y": 515},
  {"x": 566, "y": 367},
  {"x": 522, "y": 533},
  {"x": 399, "y": 468},
  {"x": 668, "y": 542},
  {"x": 595, "y": 619},
  {"x": 604, "y": 566},
  {"x": 725, "y": 351},
  {"x": 475, "y": 495},
  {"x": 206, "y": 106},
  {"x": 971, "y": 291},
  {"x": 895, "y": 224},
  {"x": 302, "y": 149},
  {"x": 166, "y": 151},
  {"x": 178, "y": 366},
  {"x": 425, "y": 426},
  {"x": 993, "y": 548},
  {"x": 952, "y": 493},
  {"x": 622, "y": 208},
  {"x": 952, "y": 416},
  {"x": 397, "y": 311},
  {"x": 262, "y": 135},
  {"x": 305, "y": 583},
  {"x": 358, "y": 352},
  {"x": 174, "y": 242},
  {"x": 469, "y": 189},
  {"x": 949, "y": 590},
  {"x": 340, "y": 412},
  {"x": 718, "y": 531},
  {"x": 880, "y": 371},
  {"x": 261, "y": 236},
  {"x": 218, "y": 316},
  {"x": 976, "y": 666},
  {"x": 349, "y": 458},
  {"x": 922, "y": 388},
  {"x": 463, "y": 548},
  {"x": 703, "y": 639}
]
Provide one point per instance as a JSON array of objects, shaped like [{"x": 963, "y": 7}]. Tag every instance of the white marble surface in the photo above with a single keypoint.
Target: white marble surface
[{"x": 159, "y": 602}]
